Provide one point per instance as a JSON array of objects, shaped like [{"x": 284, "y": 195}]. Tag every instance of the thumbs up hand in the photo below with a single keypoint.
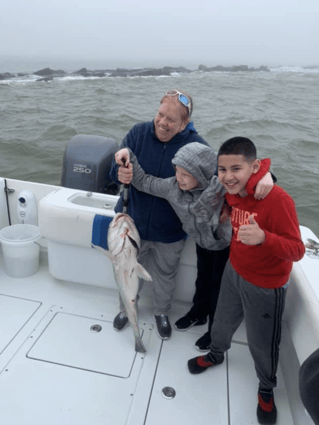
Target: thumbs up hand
[
  {"x": 251, "y": 234},
  {"x": 252, "y": 220}
]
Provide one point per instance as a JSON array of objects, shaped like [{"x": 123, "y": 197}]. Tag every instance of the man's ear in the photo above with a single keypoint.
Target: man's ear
[
  {"x": 256, "y": 166},
  {"x": 185, "y": 123}
]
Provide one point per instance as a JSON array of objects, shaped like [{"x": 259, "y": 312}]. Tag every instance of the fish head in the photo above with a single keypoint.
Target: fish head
[{"x": 122, "y": 232}]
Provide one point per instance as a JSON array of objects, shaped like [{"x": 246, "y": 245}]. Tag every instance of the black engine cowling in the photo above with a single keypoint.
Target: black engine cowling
[{"x": 87, "y": 163}]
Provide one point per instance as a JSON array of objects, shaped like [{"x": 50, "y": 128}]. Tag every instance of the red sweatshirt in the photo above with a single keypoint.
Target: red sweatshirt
[{"x": 269, "y": 264}]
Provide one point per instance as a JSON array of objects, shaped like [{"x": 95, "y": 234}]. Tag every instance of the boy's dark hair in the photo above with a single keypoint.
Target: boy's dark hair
[{"x": 239, "y": 146}]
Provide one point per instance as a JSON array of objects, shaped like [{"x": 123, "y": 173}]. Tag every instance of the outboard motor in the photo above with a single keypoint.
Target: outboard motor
[{"x": 87, "y": 163}]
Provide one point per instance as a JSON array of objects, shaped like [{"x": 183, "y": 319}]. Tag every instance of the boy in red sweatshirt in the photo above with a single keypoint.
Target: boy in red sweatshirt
[{"x": 265, "y": 242}]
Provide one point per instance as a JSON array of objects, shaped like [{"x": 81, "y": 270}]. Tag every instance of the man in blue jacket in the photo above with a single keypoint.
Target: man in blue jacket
[{"x": 155, "y": 143}]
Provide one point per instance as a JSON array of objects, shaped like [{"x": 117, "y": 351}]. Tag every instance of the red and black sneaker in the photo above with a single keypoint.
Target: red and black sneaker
[
  {"x": 201, "y": 363},
  {"x": 266, "y": 409}
]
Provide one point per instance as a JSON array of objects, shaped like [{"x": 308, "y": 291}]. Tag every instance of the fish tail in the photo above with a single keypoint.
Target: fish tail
[{"x": 139, "y": 346}]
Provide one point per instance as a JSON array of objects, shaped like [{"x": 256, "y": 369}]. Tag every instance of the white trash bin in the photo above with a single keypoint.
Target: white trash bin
[{"x": 20, "y": 249}]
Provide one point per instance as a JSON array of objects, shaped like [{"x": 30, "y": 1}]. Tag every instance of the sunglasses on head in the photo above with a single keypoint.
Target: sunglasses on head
[{"x": 184, "y": 100}]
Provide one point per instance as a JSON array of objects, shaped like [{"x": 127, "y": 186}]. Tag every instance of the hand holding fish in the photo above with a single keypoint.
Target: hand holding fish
[
  {"x": 122, "y": 154},
  {"x": 251, "y": 234},
  {"x": 125, "y": 175},
  {"x": 125, "y": 172}
]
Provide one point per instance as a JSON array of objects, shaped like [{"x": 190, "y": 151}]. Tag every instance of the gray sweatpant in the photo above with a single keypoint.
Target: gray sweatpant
[
  {"x": 262, "y": 309},
  {"x": 161, "y": 261}
]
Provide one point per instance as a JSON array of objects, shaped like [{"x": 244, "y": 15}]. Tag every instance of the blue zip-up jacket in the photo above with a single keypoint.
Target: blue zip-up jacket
[{"x": 154, "y": 218}]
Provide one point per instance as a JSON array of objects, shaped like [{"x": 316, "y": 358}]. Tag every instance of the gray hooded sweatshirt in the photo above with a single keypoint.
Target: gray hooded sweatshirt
[{"x": 198, "y": 209}]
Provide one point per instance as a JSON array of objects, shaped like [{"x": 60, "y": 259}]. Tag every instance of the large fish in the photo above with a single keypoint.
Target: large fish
[{"x": 124, "y": 243}]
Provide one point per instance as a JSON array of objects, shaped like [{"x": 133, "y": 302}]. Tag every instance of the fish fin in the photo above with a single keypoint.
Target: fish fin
[
  {"x": 142, "y": 273},
  {"x": 139, "y": 346}
]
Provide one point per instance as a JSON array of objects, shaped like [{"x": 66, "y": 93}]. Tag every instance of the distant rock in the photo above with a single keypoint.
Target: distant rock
[
  {"x": 47, "y": 72},
  {"x": 153, "y": 72},
  {"x": 263, "y": 68},
  {"x": 85, "y": 73},
  {"x": 6, "y": 76},
  {"x": 123, "y": 72},
  {"x": 237, "y": 68},
  {"x": 140, "y": 72},
  {"x": 148, "y": 72}
]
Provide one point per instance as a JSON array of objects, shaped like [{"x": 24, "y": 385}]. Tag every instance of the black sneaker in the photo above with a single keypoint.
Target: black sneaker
[
  {"x": 120, "y": 322},
  {"x": 266, "y": 409},
  {"x": 164, "y": 329},
  {"x": 187, "y": 322},
  {"x": 200, "y": 364},
  {"x": 203, "y": 343}
]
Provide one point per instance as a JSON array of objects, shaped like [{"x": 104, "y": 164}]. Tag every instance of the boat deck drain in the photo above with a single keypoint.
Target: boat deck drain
[
  {"x": 168, "y": 392},
  {"x": 96, "y": 328}
]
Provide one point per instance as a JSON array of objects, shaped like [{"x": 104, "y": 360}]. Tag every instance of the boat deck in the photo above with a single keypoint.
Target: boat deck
[{"x": 62, "y": 363}]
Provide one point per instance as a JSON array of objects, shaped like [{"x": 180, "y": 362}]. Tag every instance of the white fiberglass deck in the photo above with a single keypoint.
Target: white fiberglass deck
[{"x": 55, "y": 370}]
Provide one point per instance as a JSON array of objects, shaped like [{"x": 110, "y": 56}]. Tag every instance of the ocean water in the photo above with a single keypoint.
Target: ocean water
[{"x": 278, "y": 110}]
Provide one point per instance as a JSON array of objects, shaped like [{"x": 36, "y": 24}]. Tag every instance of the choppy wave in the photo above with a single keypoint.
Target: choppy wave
[
  {"x": 296, "y": 69},
  {"x": 278, "y": 110}
]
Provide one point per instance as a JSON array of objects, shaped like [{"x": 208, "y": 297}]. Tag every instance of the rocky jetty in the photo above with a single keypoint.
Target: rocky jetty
[
  {"x": 148, "y": 72},
  {"x": 238, "y": 68},
  {"x": 6, "y": 76},
  {"x": 86, "y": 73},
  {"x": 48, "y": 74}
]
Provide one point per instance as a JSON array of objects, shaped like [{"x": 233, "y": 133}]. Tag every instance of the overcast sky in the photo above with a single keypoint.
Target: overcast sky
[{"x": 166, "y": 32}]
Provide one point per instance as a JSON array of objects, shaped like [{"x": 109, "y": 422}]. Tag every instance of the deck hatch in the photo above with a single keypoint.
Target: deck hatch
[
  {"x": 14, "y": 314},
  {"x": 86, "y": 343}
]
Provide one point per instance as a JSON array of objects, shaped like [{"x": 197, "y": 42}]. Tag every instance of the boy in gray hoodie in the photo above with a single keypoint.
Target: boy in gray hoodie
[{"x": 197, "y": 197}]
